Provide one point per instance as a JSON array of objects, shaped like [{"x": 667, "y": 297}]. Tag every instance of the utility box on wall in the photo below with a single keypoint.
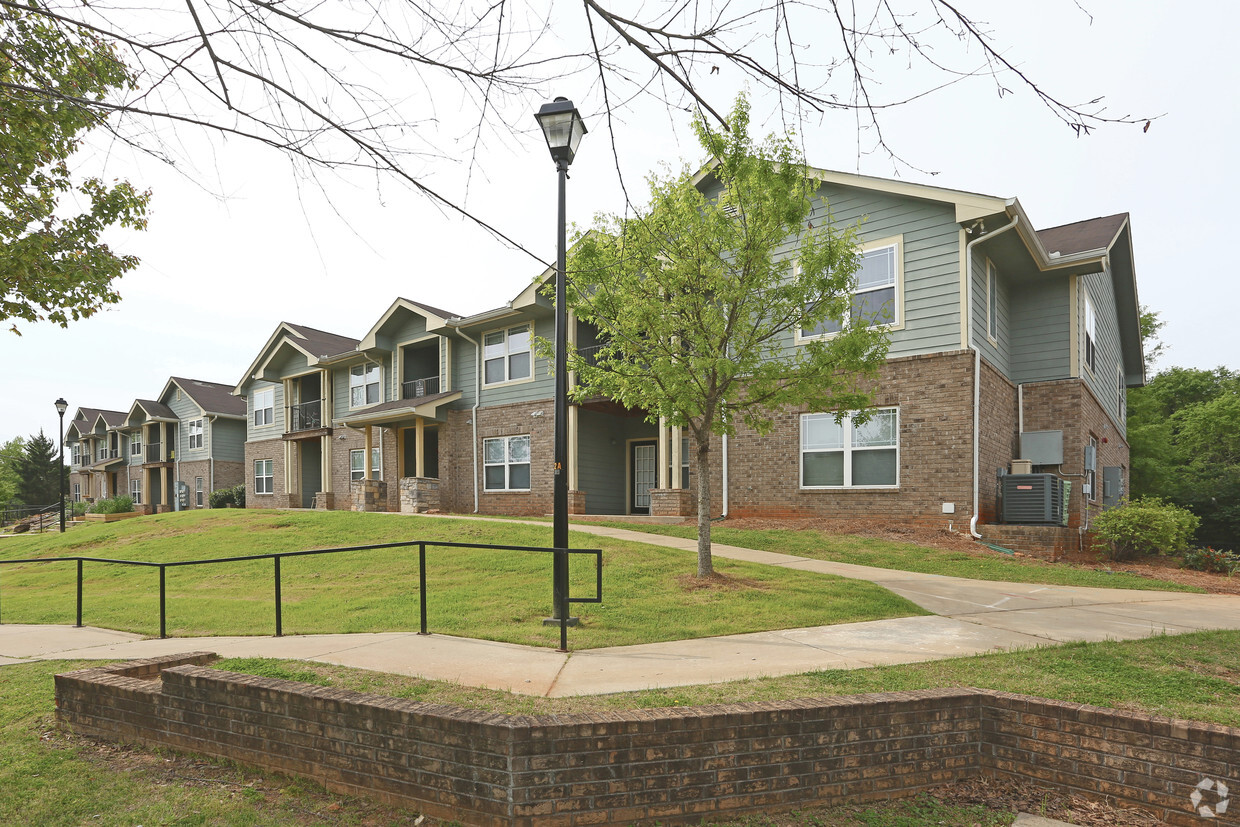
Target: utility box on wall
[
  {"x": 1042, "y": 447},
  {"x": 1032, "y": 499}
]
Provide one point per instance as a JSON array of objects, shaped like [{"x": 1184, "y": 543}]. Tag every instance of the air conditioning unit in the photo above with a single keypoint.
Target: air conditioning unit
[{"x": 1032, "y": 499}]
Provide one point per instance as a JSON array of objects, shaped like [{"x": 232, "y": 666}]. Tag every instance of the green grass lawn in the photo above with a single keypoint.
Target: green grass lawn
[
  {"x": 496, "y": 595},
  {"x": 884, "y": 554}
]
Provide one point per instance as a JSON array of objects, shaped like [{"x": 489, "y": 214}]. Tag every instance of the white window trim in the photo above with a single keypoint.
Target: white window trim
[
  {"x": 1091, "y": 474},
  {"x": 897, "y": 320},
  {"x": 1121, "y": 396},
  {"x": 507, "y": 354},
  {"x": 507, "y": 466},
  {"x": 254, "y": 416},
  {"x": 199, "y": 499},
  {"x": 269, "y": 476},
  {"x": 201, "y": 434},
  {"x": 848, "y": 450},
  {"x": 378, "y": 383},
  {"x": 135, "y": 444},
  {"x": 376, "y": 463},
  {"x": 1089, "y": 337},
  {"x": 135, "y": 490},
  {"x": 992, "y": 302}
]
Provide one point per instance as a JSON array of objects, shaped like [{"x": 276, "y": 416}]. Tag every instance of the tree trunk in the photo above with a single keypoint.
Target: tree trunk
[{"x": 706, "y": 566}]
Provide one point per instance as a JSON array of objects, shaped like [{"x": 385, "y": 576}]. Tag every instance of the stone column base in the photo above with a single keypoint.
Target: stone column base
[
  {"x": 369, "y": 495},
  {"x": 419, "y": 495},
  {"x": 672, "y": 502},
  {"x": 576, "y": 502}
]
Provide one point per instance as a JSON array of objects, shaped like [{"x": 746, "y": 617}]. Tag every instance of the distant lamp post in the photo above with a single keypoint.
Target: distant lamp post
[
  {"x": 562, "y": 127},
  {"x": 61, "y": 407}
]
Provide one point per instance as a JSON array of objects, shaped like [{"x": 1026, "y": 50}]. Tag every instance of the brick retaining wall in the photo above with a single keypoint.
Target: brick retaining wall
[{"x": 675, "y": 765}]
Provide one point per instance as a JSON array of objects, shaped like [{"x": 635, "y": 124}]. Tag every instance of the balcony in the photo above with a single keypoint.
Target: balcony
[
  {"x": 153, "y": 452},
  {"x": 416, "y": 388},
  {"x": 307, "y": 416}
]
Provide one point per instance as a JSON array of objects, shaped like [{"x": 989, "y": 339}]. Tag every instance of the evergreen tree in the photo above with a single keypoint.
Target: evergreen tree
[{"x": 38, "y": 471}]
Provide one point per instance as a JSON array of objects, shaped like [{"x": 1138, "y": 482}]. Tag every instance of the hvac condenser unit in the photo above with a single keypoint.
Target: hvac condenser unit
[{"x": 1032, "y": 499}]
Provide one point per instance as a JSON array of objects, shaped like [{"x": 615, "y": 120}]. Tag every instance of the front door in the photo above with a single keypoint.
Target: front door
[{"x": 643, "y": 471}]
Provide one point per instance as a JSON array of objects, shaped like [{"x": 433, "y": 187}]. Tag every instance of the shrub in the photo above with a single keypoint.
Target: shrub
[
  {"x": 221, "y": 498},
  {"x": 1212, "y": 559},
  {"x": 114, "y": 505},
  {"x": 78, "y": 509},
  {"x": 239, "y": 495},
  {"x": 1145, "y": 526}
]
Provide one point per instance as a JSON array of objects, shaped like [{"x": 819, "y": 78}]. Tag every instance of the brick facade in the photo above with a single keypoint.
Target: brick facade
[
  {"x": 674, "y": 765},
  {"x": 272, "y": 449}
]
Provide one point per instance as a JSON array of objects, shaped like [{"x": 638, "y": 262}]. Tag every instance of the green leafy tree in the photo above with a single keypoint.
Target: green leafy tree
[
  {"x": 38, "y": 471},
  {"x": 1152, "y": 344},
  {"x": 697, "y": 301},
  {"x": 10, "y": 453},
  {"x": 56, "y": 267}
]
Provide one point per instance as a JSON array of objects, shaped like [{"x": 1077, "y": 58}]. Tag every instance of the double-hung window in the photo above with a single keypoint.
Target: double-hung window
[
  {"x": 264, "y": 406},
  {"x": 357, "y": 464},
  {"x": 506, "y": 355},
  {"x": 198, "y": 492},
  {"x": 77, "y": 454},
  {"x": 875, "y": 299},
  {"x": 195, "y": 433},
  {"x": 992, "y": 302},
  {"x": 1121, "y": 395},
  {"x": 363, "y": 385},
  {"x": 506, "y": 463},
  {"x": 135, "y": 490},
  {"x": 135, "y": 443},
  {"x": 848, "y": 453},
  {"x": 1091, "y": 334},
  {"x": 264, "y": 479},
  {"x": 77, "y": 492}
]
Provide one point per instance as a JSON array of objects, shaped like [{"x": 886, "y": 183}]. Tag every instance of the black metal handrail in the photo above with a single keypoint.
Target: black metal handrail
[
  {"x": 307, "y": 416},
  {"x": 416, "y": 388},
  {"x": 276, "y": 557},
  {"x": 18, "y": 513}
]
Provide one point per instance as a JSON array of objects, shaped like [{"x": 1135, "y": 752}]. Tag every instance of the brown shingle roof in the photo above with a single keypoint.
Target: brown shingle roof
[
  {"x": 212, "y": 397},
  {"x": 321, "y": 343},
  {"x": 1092, "y": 234},
  {"x": 154, "y": 408},
  {"x": 443, "y": 314}
]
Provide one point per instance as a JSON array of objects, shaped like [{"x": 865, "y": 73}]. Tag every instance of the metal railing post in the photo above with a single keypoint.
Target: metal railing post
[
  {"x": 422, "y": 585},
  {"x": 279, "y": 608},
  {"x": 163, "y": 603},
  {"x": 79, "y": 593},
  {"x": 562, "y": 593}
]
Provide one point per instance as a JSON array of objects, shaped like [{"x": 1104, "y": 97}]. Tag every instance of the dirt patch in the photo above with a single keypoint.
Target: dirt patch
[
  {"x": 717, "y": 582},
  {"x": 1161, "y": 568},
  {"x": 1016, "y": 796}
]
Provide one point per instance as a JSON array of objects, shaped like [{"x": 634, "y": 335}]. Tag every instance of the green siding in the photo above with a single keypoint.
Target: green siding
[
  {"x": 542, "y": 386},
  {"x": 389, "y": 386},
  {"x": 276, "y": 428},
  {"x": 288, "y": 361},
  {"x": 1040, "y": 330},
  {"x": 227, "y": 440},
  {"x": 601, "y": 461},
  {"x": 998, "y": 353},
  {"x": 464, "y": 371},
  {"x": 1103, "y": 380}
]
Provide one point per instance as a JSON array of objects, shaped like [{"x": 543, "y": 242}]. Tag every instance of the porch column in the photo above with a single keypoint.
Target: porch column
[
  {"x": 325, "y": 463},
  {"x": 367, "y": 474},
  {"x": 325, "y": 394},
  {"x": 419, "y": 447},
  {"x": 677, "y": 459},
  {"x": 166, "y": 475},
  {"x": 163, "y": 443},
  {"x": 662, "y": 452},
  {"x": 572, "y": 447},
  {"x": 400, "y": 453},
  {"x": 290, "y": 475}
]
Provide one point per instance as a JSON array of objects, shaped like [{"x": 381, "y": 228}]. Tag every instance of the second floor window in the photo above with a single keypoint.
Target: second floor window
[
  {"x": 195, "y": 433},
  {"x": 1091, "y": 334},
  {"x": 135, "y": 444},
  {"x": 264, "y": 406},
  {"x": 506, "y": 355},
  {"x": 77, "y": 454},
  {"x": 874, "y": 299},
  {"x": 363, "y": 385}
]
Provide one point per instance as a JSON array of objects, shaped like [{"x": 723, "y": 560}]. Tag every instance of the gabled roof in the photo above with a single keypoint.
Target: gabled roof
[
  {"x": 318, "y": 346},
  {"x": 153, "y": 410},
  {"x": 1081, "y": 236},
  {"x": 435, "y": 318},
  {"x": 214, "y": 398},
  {"x": 85, "y": 420}
]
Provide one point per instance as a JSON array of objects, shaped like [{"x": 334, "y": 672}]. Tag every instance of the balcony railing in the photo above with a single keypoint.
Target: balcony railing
[
  {"x": 415, "y": 388},
  {"x": 153, "y": 453},
  {"x": 306, "y": 417}
]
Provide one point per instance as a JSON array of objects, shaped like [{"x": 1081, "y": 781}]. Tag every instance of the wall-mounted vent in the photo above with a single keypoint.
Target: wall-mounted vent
[{"x": 1033, "y": 499}]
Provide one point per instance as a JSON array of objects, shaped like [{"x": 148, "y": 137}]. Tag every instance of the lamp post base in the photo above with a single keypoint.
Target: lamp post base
[{"x": 555, "y": 621}]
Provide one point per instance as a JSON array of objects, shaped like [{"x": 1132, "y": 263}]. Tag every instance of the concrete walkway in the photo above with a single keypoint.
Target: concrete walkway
[{"x": 970, "y": 617}]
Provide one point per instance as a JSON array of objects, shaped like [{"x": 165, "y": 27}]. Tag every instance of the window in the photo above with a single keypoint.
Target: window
[
  {"x": 263, "y": 477},
  {"x": 1091, "y": 464},
  {"x": 875, "y": 300},
  {"x": 77, "y": 492},
  {"x": 992, "y": 301},
  {"x": 506, "y": 463},
  {"x": 264, "y": 406},
  {"x": 1091, "y": 334},
  {"x": 198, "y": 492},
  {"x": 363, "y": 385},
  {"x": 195, "y": 433},
  {"x": 135, "y": 490},
  {"x": 77, "y": 454},
  {"x": 135, "y": 444},
  {"x": 850, "y": 454},
  {"x": 506, "y": 355},
  {"x": 357, "y": 464},
  {"x": 1121, "y": 395}
]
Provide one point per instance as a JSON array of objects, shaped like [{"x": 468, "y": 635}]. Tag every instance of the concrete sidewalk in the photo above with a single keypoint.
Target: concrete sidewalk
[{"x": 971, "y": 616}]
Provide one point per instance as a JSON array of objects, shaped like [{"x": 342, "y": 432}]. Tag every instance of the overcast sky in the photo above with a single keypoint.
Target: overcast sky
[{"x": 218, "y": 274}]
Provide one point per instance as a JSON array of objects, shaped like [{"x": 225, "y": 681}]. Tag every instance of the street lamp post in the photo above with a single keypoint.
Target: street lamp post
[
  {"x": 562, "y": 127},
  {"x": 61, "y": 407}
]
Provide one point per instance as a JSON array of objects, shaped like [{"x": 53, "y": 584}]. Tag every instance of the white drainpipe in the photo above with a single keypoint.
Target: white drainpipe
[
  {"x": 977, "y": 369},
  {"x": 725, "y": 475},
  {"x": 477, "y": 398}
]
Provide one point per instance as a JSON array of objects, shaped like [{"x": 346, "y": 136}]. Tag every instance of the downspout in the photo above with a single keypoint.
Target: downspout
[
  {"x": 725, "y": 476},
  {"x": 473, "y": 419},
  {"x": 977, "y": 370},
  {"x": 211, "y": 459}
]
